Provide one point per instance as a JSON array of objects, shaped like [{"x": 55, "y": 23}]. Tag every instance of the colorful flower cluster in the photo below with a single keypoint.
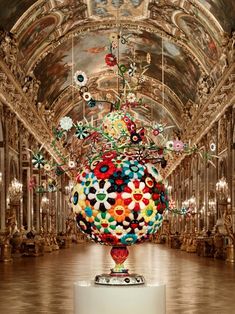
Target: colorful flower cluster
[{"x": 119, "y": 201}]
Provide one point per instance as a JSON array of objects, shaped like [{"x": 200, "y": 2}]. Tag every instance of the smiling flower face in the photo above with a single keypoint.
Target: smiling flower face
[
  {"x": 119, "y": 210},
  {"x": 149, "y": 212},
  {"x": 101, "y": 195},
  {"x": 136, "y": 195},
  {"x": 105, "y": 223}
]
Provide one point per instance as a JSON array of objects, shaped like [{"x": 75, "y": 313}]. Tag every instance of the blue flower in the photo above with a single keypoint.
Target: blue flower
[
  {"x": 88, "y": 181},
  {"x": 153, "y": 226},
  {"x": 129, "y": 239},
  {"x": 133, "y": 169},
  {"x": 81, "y": 132},
  {"x": 91, "y": 103},
  {"x": 88, "y": 211}
]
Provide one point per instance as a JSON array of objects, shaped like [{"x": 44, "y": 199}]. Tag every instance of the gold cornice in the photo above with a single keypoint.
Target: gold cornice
[
  {"x": 209, "y": 114},
  {"x": 13, "y": 96}
]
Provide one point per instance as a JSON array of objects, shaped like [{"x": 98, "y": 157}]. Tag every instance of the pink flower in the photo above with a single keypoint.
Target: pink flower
[{"x": 178, "y": 145}]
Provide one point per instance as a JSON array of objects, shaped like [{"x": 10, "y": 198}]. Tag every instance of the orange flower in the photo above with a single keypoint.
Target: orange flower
[{"x": 119, "y": 210}]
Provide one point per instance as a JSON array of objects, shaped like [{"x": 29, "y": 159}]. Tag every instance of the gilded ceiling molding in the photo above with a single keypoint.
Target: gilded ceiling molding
[
  {"x": 221, "y": 98},
  {"x": 58, "y": 106},
  {"x": 94, "y": 26},
  {"x": 188, "y": 8},
  {"x": 210, "y": 16},
  {"x": 12, "y": 94},
  {"x": 217, "y": 103},
  {"x": 37, "y": 10}
]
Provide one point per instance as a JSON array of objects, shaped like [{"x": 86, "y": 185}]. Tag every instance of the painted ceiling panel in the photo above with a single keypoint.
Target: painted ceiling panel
[
  {"x": 89, "y": 53},
  {"x": 224, "y": 12},
  {"x": 108, "y": 8},
  {"x": 35, "y": 35}
]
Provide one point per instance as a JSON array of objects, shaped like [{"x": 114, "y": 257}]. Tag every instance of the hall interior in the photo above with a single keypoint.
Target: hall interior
[{"x": 147, "y": 83}]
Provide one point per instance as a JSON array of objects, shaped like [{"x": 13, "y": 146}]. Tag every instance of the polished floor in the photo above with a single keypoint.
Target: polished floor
[{"x": 194, "y": 285}]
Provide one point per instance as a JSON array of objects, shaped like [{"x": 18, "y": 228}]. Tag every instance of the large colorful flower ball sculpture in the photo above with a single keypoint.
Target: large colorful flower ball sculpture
[{"x": 119, "y": 201}]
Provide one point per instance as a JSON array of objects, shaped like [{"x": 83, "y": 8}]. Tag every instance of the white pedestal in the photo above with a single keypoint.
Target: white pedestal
[{"x": 96, "y": 299}]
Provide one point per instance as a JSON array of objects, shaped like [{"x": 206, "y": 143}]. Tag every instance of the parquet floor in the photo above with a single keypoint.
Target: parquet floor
[{"x": 194, "y": 285}]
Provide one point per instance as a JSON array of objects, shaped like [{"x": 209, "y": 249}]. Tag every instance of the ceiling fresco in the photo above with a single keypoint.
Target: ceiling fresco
[
  {"x": 223, "y": 11},
  {"x": 112, "y": 8},
  {"x": 11, "y": 11},
  {"x": 185, "y": 39},
  {"x": 198, "y": 36},
  {"x": 55, "y": 71},
  {"x": 38, "y": 32}
]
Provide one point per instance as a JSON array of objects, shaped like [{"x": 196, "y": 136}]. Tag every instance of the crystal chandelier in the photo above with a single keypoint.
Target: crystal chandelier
[
  {"x": 222, "y": 189},
  {"x": 68, "y": 188},
  {"x": 15, "y": 191},
  {"x": 192, "y": 203},
  {"x": 44, "y": 203}
]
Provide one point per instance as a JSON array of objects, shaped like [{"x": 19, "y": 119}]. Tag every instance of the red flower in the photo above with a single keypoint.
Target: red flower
[
  {"x": 109, "y": 155},
  {"x": 104, "y": 169},
  {"x": 109, "y": 239},
  {"x": 110, "y": 59}
]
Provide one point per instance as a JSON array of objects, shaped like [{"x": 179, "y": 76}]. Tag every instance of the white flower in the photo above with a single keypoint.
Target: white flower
[
  {"x": 119, "y": 231},
  {"x": 131, "y": 97},
  {"x": 154, "y": 172},
  {"x": 71, "y": 164},
  {"x": 170, "y": 145},
  {"x": 66, "y": 123},
  {"x": 159, "y": 127},
  {"x": 132, "y": 69},
  {"x": 113, "y": 37},
  {"x": 86, "y": 96},
  {"x": 80, "y": 78},
  {"x": 213, "y": 147}
]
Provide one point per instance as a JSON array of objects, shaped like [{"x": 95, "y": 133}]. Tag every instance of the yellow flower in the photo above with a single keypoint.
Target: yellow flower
[
  {"x": 113, "y": 37},
  {"x": 47, "y": 167}
]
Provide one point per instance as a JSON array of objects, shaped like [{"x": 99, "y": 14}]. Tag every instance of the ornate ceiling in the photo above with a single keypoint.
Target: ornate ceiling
[{"x": 57, "y": 37}]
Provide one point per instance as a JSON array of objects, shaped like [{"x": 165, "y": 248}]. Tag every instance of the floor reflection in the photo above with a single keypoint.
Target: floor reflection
[{"x": 195, "y": 285}]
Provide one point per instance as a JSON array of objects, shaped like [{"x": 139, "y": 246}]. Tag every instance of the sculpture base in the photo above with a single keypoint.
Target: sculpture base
[
  {"x": 119, "y": 279},
  {"x": 100, "y": 299}
]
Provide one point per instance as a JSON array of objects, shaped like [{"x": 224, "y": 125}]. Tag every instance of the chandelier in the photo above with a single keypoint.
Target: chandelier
[
  {"x": 222, "y": 189},
  {"x": 45, "y": 204},
  {"x": 15, "y": 191}
]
